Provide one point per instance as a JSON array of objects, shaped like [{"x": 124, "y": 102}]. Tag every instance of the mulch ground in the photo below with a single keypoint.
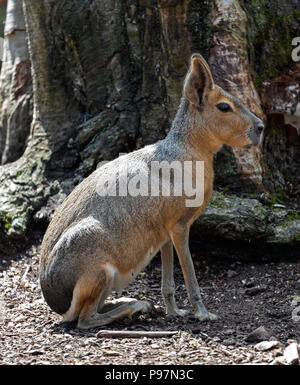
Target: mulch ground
[{"x": 246, "y": 294}]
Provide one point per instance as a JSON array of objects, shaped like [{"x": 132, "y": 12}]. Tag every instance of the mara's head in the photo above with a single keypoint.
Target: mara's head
[{"x": 220, "y": 114}]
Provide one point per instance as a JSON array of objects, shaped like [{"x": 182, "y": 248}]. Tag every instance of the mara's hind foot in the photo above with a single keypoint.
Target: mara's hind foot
[
  {"x": 207, "y": 316},
  {"x": 113, "y": 304},
  {"x": 110, "y": 312}
]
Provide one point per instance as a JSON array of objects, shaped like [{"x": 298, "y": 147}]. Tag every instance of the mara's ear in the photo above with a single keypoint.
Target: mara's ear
[{"x": 198, "y": 79}]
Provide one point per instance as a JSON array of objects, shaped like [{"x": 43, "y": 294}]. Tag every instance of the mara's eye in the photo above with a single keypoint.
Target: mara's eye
[{"x": 224, "y": 107}]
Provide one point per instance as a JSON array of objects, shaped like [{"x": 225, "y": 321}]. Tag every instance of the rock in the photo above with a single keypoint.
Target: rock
[
  {"x": 291, "y": 354},
  {"x": 255, "y": 290},
  {"x": 228, "y": 217},
  {"x": 259, "y": 334},
  {"x": 267, "y": 345}
]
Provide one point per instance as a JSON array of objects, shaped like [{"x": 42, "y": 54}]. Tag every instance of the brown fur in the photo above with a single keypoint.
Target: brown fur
[{"x": 97, "y": 244}]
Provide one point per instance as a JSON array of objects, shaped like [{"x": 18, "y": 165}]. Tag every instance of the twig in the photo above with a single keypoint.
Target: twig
[
  {"x": 134, "y": 334},
  {"x": 26, "y": 272},
  {"x": 23, "y": 279}
]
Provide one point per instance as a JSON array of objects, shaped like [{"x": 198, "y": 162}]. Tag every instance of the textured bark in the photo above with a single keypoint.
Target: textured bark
[
  {"x": 24, "y": 183},
  {"x": 15, "y": 86},
  {"x": 232, "y": 70},
  {"x": 107, "y": 78},
  {"x": 272, "y": 26}
]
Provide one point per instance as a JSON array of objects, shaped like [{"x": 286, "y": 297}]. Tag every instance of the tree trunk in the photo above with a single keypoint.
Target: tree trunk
[
  {"x": 15, "y": 86},
  {"x": 105, "y": 77}
]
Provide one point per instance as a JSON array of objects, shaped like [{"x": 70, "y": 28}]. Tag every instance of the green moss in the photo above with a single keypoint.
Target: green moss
[
  {"x": 270, "y": 32},
  {"x": 273, "y": 199},
  {"x": 219, "y": 201},
  {"x": 7, "y": 226},
  {"x": 292, "y": 215},
  {"x": 6, "y": 221},
  {"x": 281, "y": 193}
]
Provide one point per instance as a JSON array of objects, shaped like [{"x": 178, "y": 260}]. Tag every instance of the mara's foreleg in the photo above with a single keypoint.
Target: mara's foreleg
[
  {"x": 180, "y": 238},
  {"x": 168, "y": 283}
]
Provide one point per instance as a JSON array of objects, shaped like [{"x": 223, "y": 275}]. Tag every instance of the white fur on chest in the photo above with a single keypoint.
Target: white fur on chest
[{"x": 119, "y": 281}]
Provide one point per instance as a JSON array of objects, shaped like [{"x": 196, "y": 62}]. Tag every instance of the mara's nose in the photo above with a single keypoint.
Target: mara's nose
[{"x": 260, "y": 127}]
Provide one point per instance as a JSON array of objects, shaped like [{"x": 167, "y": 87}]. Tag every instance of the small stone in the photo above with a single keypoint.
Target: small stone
[
  {"x": 228, "y": 332},
  {"x": 259, "y": 334},
  {"x": 267, "y": 345},
  {"x": 154, "y": 346},
  {"x": 228, "y": 342},
  {"x": 291, "y": 354},
  {"x": 216, "y": 339}
]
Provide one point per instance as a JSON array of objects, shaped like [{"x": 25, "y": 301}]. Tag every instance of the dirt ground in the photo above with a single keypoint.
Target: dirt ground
[{"x": 247, "y": 294}]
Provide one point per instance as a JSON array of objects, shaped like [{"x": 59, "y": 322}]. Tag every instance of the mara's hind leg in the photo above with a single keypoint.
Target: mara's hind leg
[
  {"x": 113, "y": 304},
  {"x": 89, "y": 317},
  {"x": 91, "y": 293}
]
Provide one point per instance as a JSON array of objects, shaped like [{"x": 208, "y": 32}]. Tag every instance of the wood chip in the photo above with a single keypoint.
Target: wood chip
[{"x": 291, "y": 354}]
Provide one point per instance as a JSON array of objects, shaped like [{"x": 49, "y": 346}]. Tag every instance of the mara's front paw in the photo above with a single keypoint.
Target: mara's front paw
[{"x": 207, "y": 316}]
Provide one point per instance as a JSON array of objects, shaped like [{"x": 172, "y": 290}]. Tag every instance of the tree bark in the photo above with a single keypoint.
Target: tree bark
[{"x": 15, "y": 86}]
